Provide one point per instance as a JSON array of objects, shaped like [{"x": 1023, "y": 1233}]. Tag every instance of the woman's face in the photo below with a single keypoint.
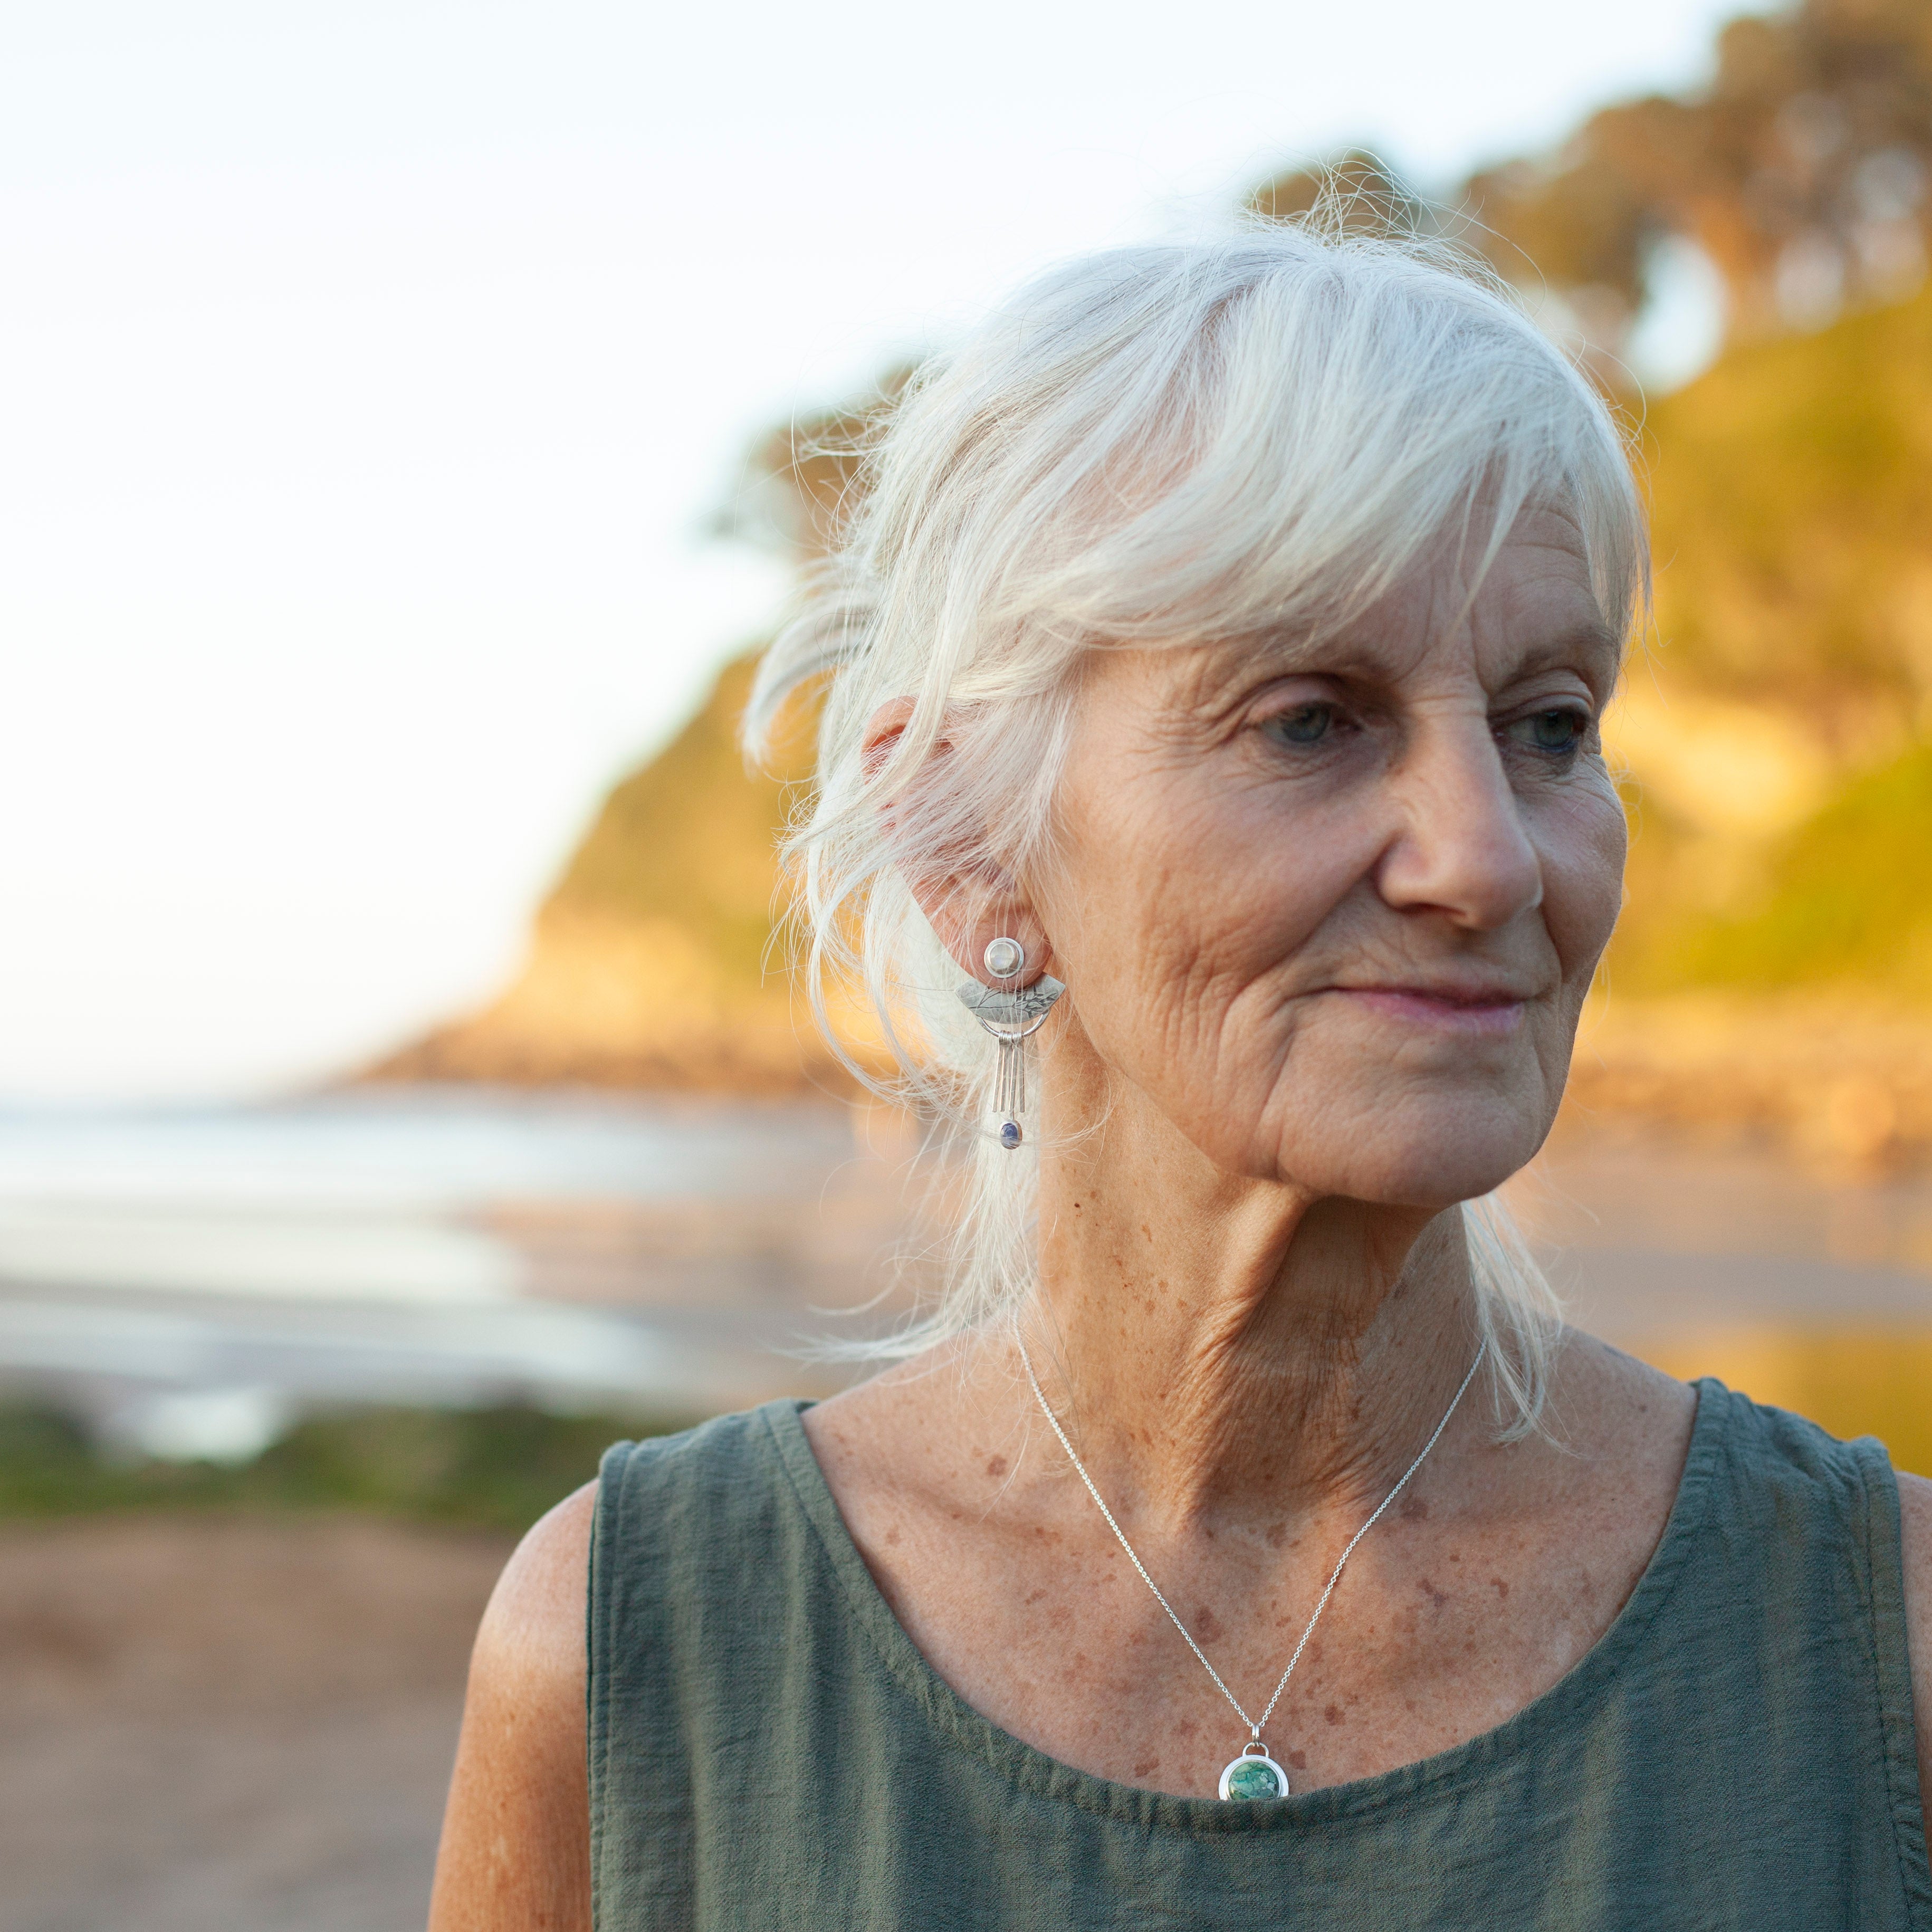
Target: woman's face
[{"x": 1333, "y": 909}]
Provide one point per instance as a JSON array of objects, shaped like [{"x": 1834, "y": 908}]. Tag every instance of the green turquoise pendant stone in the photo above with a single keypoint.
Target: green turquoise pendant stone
[{"x": 1253, "y": 1775}]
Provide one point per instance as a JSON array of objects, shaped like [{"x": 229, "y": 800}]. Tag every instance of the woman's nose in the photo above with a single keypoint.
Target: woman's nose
[{"x": 1460, "y": 847}]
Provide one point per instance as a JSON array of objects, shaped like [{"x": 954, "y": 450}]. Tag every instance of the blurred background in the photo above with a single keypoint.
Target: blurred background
[{"x": 412, "y": 419}]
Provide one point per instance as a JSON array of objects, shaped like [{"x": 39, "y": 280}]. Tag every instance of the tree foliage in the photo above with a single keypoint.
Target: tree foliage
[{"x": 1801, "y": 171}]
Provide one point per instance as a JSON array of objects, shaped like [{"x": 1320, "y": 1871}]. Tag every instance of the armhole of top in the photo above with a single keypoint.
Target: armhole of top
[
  {"x": 1882, "y": 1547},
  {"x": 605, "y": 1519}
]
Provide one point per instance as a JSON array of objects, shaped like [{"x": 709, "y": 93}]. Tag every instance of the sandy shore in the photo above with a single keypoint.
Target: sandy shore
[{"x": 228, "y": 1723}]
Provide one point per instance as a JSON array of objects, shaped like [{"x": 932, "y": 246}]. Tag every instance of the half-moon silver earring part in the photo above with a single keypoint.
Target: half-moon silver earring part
[
  {"x": 1004, "y": 957},
  {"x": 1011, "y": 1018}
]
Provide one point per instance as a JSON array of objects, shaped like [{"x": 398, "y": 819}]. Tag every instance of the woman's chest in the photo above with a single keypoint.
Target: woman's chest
[{"x": 1427, "y": 1641}]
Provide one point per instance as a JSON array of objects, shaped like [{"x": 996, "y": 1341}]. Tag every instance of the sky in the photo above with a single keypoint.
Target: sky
[{"x": 371, "y": 376}]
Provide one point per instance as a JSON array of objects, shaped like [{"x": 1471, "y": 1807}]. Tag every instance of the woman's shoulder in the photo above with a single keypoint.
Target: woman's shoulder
[
  {"x": 534, "y": 1623},
  {"x": 1914, "y": 1538},
  {"x": 718, "y": 1454},
  {"x": 520, "y": 1771},
  {"x": 1788, "y": 1512},
  {"x": 1760, "y": 1456},
  {"x": 534, "y": 1626},
  {"x": 1773, "y": 1461}
]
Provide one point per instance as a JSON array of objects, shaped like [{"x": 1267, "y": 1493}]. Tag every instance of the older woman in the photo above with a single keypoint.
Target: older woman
[{"x": 1211, "y": 797}]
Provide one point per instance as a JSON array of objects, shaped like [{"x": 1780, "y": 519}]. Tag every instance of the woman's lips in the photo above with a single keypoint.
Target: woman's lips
[{"x": 1482, "y": 1015}]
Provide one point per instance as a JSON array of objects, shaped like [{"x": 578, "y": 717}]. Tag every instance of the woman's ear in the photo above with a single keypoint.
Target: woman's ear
[
  {"x": 883, "y": 734},
  {"x": 968, "y": 911}
]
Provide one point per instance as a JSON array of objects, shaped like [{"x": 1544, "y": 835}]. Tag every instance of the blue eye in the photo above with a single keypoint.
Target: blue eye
[
  {"x": 1306, "y": 724},
  {"x": 1550, "y": 731}
]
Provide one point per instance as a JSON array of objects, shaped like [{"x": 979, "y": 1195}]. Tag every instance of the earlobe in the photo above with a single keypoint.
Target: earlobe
[{"x": 972, "y": 922}]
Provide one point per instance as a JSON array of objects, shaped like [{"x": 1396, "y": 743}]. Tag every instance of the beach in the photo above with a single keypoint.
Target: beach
[{"x": 246, "y": 1716}]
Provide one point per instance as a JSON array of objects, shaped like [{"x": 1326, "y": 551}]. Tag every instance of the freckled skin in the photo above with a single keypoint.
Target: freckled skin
[
  {"x": 1255, "y": 1306},
  {"x": 1328, "y": 914}
]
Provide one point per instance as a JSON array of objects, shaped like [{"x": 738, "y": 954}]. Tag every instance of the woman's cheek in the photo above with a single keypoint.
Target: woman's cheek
[{"x": 1588, "y": 839}]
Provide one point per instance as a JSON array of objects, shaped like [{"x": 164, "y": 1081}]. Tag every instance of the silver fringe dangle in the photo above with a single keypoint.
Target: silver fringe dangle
[
  {"x": 1012, "y": 1015},
  {"x": 1009, "y": 1085}
]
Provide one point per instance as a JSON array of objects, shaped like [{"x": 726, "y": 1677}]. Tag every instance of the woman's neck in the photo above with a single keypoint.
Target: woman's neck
[{"x": 1224, "y": 1351}]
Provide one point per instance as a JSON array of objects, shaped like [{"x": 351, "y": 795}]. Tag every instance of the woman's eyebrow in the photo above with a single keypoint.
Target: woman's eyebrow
[
  {"x": 1225, "y": 673},
  {"x": 1285, "y": 656}
]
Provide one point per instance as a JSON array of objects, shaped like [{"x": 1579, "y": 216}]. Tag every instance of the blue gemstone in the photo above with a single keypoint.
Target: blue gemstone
[{"x": 1009, "y": 1133}]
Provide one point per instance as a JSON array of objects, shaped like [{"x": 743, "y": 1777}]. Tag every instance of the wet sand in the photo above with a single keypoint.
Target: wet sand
[{"x": 218, "y": 1723}]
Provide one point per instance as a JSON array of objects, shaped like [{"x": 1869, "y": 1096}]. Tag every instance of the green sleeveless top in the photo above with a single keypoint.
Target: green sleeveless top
[{"x": 769, "y": 1750}]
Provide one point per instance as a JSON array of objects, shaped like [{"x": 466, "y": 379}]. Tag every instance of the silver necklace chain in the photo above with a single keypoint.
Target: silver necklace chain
[{"x": 1255, "y": 1725}]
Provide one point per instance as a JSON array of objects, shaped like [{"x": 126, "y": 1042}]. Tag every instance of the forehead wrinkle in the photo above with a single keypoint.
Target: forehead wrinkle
[{"x": 1590, "y": 638}]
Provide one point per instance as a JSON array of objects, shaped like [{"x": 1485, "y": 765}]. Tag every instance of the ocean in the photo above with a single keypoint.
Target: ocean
[
  {"x": 186, "y": 1280},
  {"x": 189, "y": 1280}
]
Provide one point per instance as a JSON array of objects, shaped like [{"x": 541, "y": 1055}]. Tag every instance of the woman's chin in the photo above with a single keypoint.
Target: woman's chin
[{"x": 1420, "y": 1157}]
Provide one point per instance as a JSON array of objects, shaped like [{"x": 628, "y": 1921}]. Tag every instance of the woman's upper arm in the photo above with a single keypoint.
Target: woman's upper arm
[
  {"x": 1915, "y": 1514},
  {"x": 516, "y": 1838}
]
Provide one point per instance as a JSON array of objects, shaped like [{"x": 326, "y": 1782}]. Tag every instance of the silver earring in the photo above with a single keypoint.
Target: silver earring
[{"x": 1012, "y": 1017}]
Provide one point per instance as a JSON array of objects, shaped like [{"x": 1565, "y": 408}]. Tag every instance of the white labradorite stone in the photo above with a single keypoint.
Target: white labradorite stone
[{"x": 1004, "y": 957}]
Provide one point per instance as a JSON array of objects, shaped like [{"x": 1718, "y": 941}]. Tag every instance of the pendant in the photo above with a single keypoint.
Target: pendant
[{"x": 1254, "y": 1774}]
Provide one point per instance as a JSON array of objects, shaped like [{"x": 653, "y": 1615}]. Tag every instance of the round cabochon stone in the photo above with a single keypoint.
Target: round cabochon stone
[{"x": 1253, "y": 1779}]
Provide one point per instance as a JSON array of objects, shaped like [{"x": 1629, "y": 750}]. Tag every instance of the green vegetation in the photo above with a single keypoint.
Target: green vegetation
[
  {"x": 1799, "y": 171},
  {"x": 688, "y": 839},
  {"x": 498, "y": 1469},
  {"x": 1850, "y": 902},
  {"x": 1793, "y": 504},
  {"x": 1792, "y": 489}
]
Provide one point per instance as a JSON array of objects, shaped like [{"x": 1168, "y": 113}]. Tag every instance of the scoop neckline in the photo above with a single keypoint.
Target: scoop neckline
[{"x": 1039, "y": 1772}]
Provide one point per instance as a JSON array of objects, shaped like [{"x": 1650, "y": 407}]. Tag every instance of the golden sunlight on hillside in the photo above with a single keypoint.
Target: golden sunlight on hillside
[
  {"x": 655, "y": 961},
  {"x": 1774, "y": 970},
  {"x": 1772, "y": 973}
]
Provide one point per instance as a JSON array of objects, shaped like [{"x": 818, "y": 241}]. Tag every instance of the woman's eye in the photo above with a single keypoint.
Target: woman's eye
[
  {"x": 1561, "y": 730},
  {"x": 1306, "y": 724}
]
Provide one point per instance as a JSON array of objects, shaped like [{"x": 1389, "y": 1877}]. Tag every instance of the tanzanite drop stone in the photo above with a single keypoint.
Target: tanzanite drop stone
[{"x": 1010, "y": 1134}]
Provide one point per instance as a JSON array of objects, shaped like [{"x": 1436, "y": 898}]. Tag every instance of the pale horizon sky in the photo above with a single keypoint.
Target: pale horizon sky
[{"x": 370, "y": 373}]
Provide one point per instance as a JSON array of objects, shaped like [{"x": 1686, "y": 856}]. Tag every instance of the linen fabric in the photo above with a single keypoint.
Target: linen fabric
[{"x": 768, "y": 1749}]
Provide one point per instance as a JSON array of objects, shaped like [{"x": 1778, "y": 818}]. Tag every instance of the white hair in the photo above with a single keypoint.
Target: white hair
[{"x": 1150, "y": 446}]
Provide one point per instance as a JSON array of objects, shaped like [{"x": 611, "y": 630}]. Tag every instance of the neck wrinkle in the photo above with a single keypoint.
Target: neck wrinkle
[{"x": 1231, "y": 1356}]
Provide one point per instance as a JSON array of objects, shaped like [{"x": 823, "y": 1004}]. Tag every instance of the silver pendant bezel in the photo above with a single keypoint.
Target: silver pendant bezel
[{"x": 1254, "y": 1754}]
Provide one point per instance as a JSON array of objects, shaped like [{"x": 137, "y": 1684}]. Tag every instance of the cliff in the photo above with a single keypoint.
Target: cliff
[
  {"x": 1773, "y": 969},
  {"x": 654, "y": 961}
]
